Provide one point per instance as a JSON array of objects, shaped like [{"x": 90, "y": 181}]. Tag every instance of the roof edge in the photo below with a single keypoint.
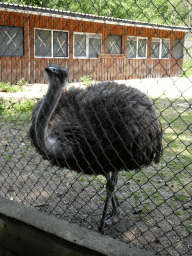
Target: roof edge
[{"x": 87, "y": 17}]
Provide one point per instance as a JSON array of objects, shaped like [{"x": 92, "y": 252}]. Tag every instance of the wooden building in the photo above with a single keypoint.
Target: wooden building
[{"x": 102, "y": 47}]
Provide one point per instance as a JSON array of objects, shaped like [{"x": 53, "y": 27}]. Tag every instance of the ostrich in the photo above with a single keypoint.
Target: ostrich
[{"x": 102, "y": 129}]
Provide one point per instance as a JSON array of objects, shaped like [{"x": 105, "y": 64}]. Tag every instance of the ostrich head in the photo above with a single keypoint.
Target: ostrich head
[{"x": 57, "y": 76}]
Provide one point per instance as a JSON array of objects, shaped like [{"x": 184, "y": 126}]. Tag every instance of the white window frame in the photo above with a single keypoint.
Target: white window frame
[
  {"x": 137, "y": 46},
  {"x": 160, "y": 51},
  {"x": 88, "y": 35},
  {"x": 52, "y": 30}
]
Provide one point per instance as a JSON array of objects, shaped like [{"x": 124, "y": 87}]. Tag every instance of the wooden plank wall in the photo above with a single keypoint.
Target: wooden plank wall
[{"x": 106, "y": 67}]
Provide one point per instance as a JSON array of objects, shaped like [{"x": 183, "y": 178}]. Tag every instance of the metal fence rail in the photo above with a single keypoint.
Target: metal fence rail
[{"x": 146, "y": 47}]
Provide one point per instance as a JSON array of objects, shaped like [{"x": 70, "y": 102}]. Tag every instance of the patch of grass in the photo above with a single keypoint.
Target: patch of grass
[
  {"x": 136, "y": 196},
  {"x": 8, "y": 159},
  {"x": 127, "y": 175},
  {"x": 81, "y": 178},
  {"x": 100, "y": 201},
  {"x": 162, "y": 174},
  {"x": 76, "y": 176},
  {"x": 121, "y": 199},
  {"x": 100, "y": 179},
  {"x": 176, "y": 122},
  {"x": 189, "y": 227},
  {"x": 8, "y": 87},
  {"x": 139, "y": 216},
  {"x": 177, "y": 212},
  {"x": 13, "y": 108},
  {"x": 182, "y": 198}
]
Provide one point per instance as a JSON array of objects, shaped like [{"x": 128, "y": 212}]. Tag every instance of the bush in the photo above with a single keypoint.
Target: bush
[
  {"x": 8, "y": 87},
  {"x": 87, "y": 80},
  {"x": 22, "y": 82},
  {"x": 14, "y": 107}
]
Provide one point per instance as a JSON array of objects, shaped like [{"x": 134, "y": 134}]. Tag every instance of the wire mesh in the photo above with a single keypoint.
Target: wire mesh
[{"x": 143, "y": 44}]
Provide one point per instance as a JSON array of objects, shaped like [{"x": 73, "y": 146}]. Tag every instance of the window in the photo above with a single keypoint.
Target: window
[
  {"x": 60, "y": 44},
  {"x": 136, "y": 47},
  {"x": 11, "y": 41},
  {"x": 165, "y": 48},
  {"x": 160, "y": 48},
  {"x": 49, "y": 43},
  {"x": 94, "y": 46},
  {"x": 155, "y": 48},
  {"x": 178, "y": 49},
  {"x": 87, "y": 45},
  {"x": 132, "y": 47},
  {"x": 114, "y": 44},
  {"x": 142, "y": 48},
  {"x": 43, "y": 43}
]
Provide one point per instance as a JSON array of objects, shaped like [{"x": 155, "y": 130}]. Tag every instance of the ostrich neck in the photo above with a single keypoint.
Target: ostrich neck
[{"x": 45, "y": 140}]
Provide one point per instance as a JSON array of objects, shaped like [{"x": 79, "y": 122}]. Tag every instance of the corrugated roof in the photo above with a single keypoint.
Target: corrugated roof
[{"x": 87, "y": 17}]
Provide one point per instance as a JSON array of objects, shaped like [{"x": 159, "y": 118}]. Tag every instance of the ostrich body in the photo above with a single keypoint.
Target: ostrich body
[{"x": 102, "y": 129}]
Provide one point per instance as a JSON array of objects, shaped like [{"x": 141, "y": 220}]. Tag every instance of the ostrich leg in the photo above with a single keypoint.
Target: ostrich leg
[
  {"x": 114, "y": 215},
  {"x": 110, "y": 187},
  {"x": 115, "y": 201}
]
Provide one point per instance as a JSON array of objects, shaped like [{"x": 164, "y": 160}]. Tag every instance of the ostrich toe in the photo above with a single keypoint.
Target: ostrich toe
[{"x": 113, "y": 217}]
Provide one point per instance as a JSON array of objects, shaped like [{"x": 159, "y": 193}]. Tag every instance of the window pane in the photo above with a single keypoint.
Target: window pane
[
  {"x": 94, "y": 47},
  {"x": 155, "y": 48},
  {"x": 114, "y": 44},
  {"x": 142, "y": 48},
  {"x": 80, "y": 46},
  {"x": 131, "y": 47},
  {"x": 165, "y": 49},
  {"x": 60, "y": 44},
  {"x": 42, "y": 43},
  {"x": 177, "y": 49},
  {"x": 11, "y": 41}
]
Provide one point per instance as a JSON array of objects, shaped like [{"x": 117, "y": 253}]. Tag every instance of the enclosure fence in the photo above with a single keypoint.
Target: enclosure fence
[{"x": 142, "y": 44}]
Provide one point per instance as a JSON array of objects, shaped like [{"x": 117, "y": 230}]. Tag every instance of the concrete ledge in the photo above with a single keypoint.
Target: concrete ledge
[{"x": 26, "y": 231}]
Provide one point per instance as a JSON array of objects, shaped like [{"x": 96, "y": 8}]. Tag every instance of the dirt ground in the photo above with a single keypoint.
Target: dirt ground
[{"x": 28, "y": 179}]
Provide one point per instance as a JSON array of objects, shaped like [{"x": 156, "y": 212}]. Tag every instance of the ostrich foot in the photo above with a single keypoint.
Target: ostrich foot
[{"x": 113, "y": 217}]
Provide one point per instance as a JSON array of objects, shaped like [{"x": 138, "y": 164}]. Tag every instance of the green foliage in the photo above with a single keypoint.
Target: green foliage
[
  {"x": 22, "y": 82},
  {"x": 87, "y": 80},
  {"x": 15, "y": 107},
  {"x": 187, "y": 68},
  {"x": 177, "y": 212},
  {"x": 8, "y": 87},
  {"x": 187, "y": 64},
  {"x": 175, "y": 12},
  {"x": 124, "y": 9}
]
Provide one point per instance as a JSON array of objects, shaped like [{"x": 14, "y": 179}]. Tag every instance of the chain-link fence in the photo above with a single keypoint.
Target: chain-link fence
[{"x": 103, "y": 128}]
